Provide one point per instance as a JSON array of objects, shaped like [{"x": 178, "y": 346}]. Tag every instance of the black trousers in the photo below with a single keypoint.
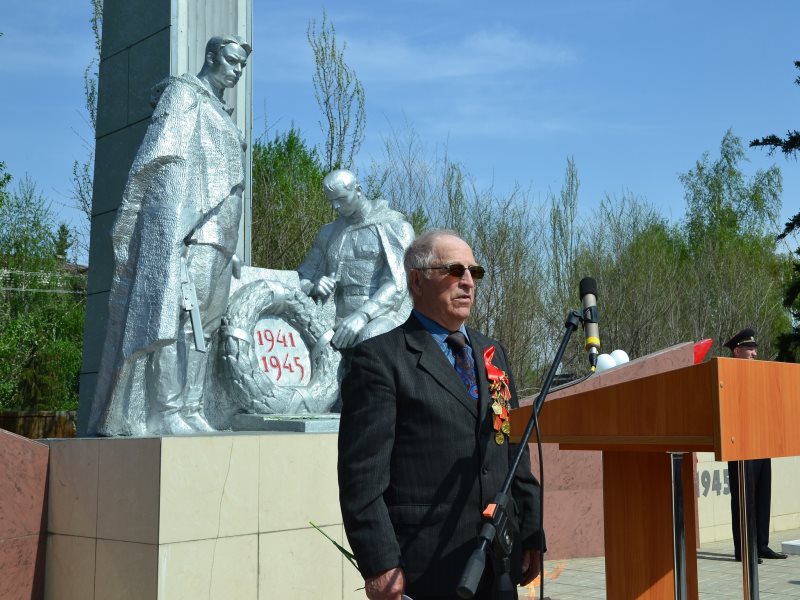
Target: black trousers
[{"x": 758, "y": 474}]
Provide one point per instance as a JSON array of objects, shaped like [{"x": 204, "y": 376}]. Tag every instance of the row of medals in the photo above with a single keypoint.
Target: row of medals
[{"x": 505, "y": 428}]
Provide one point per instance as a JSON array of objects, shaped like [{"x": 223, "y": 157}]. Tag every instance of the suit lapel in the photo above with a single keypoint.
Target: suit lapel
[{"x": 433, "y": 360}]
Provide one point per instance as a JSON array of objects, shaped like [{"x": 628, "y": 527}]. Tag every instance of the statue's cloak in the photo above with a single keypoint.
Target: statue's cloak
[{"x": 182, "y": 173}]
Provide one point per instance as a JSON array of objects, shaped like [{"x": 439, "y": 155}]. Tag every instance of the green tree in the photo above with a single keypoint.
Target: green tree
[
  {"x": 788, "y": 343},
  {"x": 42, "y": 304},
  {"x": 660, "y": 284},
  {"x": 504, "y": 231},
  {"x": 288, "y": 204},
  {"x": 720, "y": 198},
  {"x": 340, "y": 97},
  {"x": 5, "y": 179},
  {"x": 788, "y": 145},
  {"x": 734, "y": 276},
  {"x": 26, "y": 229},
  {"x": 509, "y": 300},
  {"x": 63, "y": 242},
  {"x": 636, "y": 258}
]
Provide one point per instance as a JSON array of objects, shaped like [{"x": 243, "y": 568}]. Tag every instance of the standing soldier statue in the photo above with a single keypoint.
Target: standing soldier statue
[{"x": 174, "y": 240}]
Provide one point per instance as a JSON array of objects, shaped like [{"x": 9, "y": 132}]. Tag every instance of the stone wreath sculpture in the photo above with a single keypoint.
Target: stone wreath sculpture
[{"x": 251, "y": 391}]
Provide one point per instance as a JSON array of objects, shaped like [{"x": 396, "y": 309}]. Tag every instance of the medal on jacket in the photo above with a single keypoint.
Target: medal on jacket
[{"x": 501, "y": 396}]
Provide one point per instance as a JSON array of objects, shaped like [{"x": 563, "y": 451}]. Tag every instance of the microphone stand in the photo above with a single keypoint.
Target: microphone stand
[{"x": 495, "y": 534}]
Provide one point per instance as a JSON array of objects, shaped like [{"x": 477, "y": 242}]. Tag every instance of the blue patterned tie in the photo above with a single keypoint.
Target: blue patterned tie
[{"x": 465, "y": 364}]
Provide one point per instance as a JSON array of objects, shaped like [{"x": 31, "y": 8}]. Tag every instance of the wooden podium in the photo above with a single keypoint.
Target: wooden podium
[{"x": 738, "y": 409}]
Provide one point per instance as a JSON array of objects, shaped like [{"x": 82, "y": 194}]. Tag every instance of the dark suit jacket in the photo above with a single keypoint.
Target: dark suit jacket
[{"x": 418, "y": 461}]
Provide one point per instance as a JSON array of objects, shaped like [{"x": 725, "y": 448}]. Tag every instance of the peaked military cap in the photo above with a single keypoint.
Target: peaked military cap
[{"x": 746, "y": 337}]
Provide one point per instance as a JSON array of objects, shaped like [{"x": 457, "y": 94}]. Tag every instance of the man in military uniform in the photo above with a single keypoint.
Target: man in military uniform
[
  {"x": 174, "y": 240},
  {"x": 758, "y": 473},
  {"x": 358, "y": 258}
]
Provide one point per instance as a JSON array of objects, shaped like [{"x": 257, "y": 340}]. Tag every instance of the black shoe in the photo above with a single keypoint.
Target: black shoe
[
  {"x": 738, "y": 558},
  {"x": 770, "y": 553}
]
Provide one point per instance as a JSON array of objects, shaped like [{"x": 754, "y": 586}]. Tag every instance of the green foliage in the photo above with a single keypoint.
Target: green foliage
[
  {"x": 26, "y": 228},
  {"x": 788, "y": 145},
  {"x": 509, "y": 300},
  {"x": 63, "y": 242},
  {"x": 788, "y": 343},
  {"x": 713, "y": 274},
  {"x": 720, "y": 267},
  {"x": 721, "y": 200},
  {"x": 5, "y": 179},
  {"x": 636, "y": 259},
  {"x": 288, "y": 204},
  {"x": 659, "y": 284},
  {"x": 42, "y": 304},
  {"x": 727, "y": 235}
]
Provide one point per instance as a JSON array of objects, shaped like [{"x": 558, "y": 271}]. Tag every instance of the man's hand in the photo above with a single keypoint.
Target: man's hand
[
  {"x": 530, "y": 566},
  {"x": 388, "y": 585},
  {"x": 348, "y": 329},
  {"x": 324, "y": 287}
]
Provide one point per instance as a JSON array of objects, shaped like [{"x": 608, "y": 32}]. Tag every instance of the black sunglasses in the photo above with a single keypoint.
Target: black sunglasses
[{"x": 457, "y": 270}]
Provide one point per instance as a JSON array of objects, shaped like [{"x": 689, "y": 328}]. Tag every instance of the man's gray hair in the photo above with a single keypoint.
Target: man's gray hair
[
  {"x": 218, "y": 42},
  {"x": 422, "y": 251}
]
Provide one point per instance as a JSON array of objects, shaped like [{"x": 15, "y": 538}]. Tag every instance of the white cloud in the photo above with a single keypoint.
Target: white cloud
[
  {"x": 479, "y": 54},
  {"x": 390, "y": 57}
]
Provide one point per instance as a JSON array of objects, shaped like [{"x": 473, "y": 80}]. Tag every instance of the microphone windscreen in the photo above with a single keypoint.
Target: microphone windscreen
[
  {"x": 620, "y": 357},
  {"x": 588, "y": 286},
  {"x": 604, "y": 363}
]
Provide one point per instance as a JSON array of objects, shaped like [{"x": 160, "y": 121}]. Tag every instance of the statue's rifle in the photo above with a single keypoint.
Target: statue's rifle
[{"x": 190, "y": 305}]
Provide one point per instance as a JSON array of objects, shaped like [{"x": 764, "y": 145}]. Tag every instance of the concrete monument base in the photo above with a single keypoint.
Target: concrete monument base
[
  {"x": 323, "y": 423},
  {"x": 221, "y": 516}
]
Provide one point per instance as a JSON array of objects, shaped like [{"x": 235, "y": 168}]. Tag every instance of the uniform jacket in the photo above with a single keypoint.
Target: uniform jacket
[{"x": 394, "y": 233}]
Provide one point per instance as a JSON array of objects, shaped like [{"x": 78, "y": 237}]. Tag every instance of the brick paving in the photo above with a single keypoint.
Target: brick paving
[{"x": 719, "y": 576}]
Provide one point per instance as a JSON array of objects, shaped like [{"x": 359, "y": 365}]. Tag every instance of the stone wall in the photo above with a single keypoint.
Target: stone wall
[{"x": 23, "y": 512}]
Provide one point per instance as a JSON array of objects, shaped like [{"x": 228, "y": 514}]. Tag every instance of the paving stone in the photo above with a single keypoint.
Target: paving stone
[{"x": 719, "y": 576}]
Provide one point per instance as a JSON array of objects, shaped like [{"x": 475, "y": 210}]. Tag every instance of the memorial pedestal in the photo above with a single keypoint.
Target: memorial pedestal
[
  {"x": 323, "y": 423},
  {"x": 221, "y": 516}
]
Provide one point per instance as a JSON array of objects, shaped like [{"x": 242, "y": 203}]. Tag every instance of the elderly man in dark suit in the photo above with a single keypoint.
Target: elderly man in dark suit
[
  {"x": 758, "y": 473},
  {"x": 423, "y": 444}
]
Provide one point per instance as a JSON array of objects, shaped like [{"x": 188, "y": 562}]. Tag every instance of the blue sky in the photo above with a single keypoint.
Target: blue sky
[{"x": 635, "y": 91}]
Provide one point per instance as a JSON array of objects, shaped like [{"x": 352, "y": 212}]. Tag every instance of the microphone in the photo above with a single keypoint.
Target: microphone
[{"x": 588, "y": 290}]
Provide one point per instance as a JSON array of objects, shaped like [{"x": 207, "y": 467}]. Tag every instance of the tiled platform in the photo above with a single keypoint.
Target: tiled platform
[
  {"x": 220, "y": 517},
  {"x": 720, "y": 578}
]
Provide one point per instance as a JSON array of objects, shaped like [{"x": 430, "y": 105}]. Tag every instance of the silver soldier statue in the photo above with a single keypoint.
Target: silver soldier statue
[
  {"x": 174, "y": 241},
  {"x": 358, "y": 258}
]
